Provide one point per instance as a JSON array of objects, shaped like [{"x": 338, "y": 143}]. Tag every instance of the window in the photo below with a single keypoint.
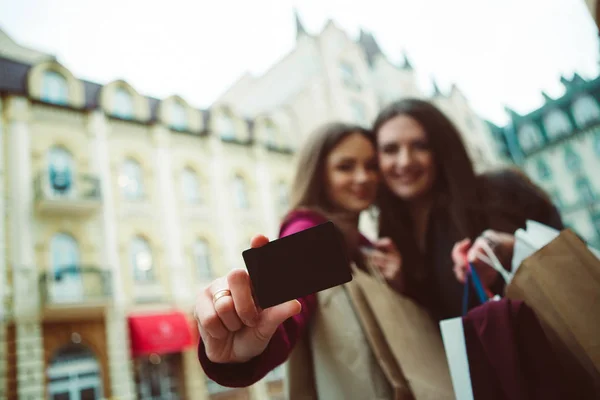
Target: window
[
  {"x": 270, "y": 133},
  {"x": 65, "y": 279},
  {"x": 191, "y": 186},
  {"x": 131, "y": 180},
  {"x": 226, "y": 126},
  {"x": 241, "y": 192},
  {"x": 213, "y": 387},
  {"x": 277, "y": 374},
  {"x": 530, "y": 137},
  {"x": 358, "y": 112},
  {"x": 585, "y": 110},
  {"x": 585, "y": 190},
  {"x": 557, "y": 124},
  {"x": 64, "y": 251},
  {"x": 60, "y": 170},
  {"x": 348, "y": 75},
  {"x": 596, "y": 223},
  {"x": 157, "y": 377},
  {"x": 123, "y": 104},
  {"x": 556, "y": 198},
  {"x": 543, "y": 170},
  {"x": 54, "y": 88},
  {"x": 282, "y": 195},
  {"x": 178, "y": 116},
  {"x": 597, "y": 144},
  {"x": 141, "y": 260},
  {"x": 572, "y": 159},
  {"x": 202, "y": 260},
  {"x": 74, "y": 373}
]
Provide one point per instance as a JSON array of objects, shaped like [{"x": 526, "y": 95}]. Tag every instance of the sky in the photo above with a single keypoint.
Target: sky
[{"x": 499, "y": 53}]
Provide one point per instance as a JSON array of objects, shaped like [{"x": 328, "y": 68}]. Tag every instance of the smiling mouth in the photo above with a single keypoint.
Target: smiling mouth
[{"x": 408, "y": 178}]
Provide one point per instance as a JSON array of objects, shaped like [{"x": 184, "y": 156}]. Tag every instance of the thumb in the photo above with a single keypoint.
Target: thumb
[
  {"x": 384, "y": 244},
  {"x": 259, "y": 241},
  {"x": 274, "y": 316}
]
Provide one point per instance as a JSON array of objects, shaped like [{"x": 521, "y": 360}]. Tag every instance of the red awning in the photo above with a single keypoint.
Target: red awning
[{"x": 159, "y": 333}]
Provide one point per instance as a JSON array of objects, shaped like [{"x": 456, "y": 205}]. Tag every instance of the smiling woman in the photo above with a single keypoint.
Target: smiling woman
[{"x": 432, "y": 199}]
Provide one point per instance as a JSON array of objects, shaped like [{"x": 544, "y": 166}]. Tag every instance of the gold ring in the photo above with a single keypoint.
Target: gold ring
[{"x": 221, "y": 293}]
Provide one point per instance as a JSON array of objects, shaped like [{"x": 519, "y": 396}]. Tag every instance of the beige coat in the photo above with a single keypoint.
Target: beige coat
[{"x": 335, "y": 361}]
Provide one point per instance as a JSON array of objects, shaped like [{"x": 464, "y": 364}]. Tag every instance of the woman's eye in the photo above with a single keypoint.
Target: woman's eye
[
  {"x": 345, "y": 167},
  {"x": 391, "y": 149},
  {"x": 421, "y": 145}
]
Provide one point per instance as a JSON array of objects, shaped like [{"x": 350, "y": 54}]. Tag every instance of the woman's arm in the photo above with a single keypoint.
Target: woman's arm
[{"x": 279, "y": 347}]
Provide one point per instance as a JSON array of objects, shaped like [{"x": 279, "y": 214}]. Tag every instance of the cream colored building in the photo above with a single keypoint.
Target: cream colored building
[
  {"x": 119, "y": 208},
  {"x": 330, "y": 76}
]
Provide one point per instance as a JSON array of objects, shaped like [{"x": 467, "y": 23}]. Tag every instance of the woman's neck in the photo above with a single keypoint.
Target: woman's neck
[
  {"x": 419, "y": 212},
  {"x": 349, "y": 217}
]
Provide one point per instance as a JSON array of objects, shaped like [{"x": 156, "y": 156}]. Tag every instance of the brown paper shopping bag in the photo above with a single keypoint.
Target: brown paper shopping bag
[
  {"x": 407, "y": 340},
  {"x": 561, "y": 283}
]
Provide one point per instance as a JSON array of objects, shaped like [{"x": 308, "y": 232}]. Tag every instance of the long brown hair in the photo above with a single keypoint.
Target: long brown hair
[
  {"x": 309, "y": 189},
  {"x": 500, "y": 200},
  {"x": 455, "y": 189}
]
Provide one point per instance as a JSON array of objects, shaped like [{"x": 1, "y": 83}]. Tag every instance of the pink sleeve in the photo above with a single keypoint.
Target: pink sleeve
[{"x": 280, "y": 346}]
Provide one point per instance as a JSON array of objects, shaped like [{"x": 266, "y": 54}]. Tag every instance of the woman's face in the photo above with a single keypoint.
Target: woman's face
[
  {"x": 351, "y": 174},
  {"x": 405, "y": 158}
]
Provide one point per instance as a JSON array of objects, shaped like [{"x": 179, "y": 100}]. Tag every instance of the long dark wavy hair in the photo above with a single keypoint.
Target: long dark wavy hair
[{"x": 472, "y": 203}]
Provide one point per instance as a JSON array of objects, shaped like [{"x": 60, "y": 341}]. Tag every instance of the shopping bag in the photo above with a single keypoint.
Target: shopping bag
[
  {"x": 410, "y": 337},
  {"x": 561, "y": 283}
]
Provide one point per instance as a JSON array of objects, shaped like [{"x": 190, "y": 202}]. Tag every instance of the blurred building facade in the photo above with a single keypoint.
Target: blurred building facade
[
  {"x": 558, "y": 146},
  {"x": 119, "y": 209},
  {"x": 330, "y": 76}
]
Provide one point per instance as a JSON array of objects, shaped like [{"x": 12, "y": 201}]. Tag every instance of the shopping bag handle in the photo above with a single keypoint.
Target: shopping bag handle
[{"x": 473, "y": 277}]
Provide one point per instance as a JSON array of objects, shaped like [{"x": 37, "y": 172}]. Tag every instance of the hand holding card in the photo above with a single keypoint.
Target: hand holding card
[{"x": 232, "y": 327}]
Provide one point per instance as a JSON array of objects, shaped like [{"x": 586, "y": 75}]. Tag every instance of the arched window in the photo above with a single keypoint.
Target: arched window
[
  {"x": 557, "y": 124},
  {"x": 74, "y": 373},
  {"x": 65, "y": 284},
  {"x": 543, "y": 170},
  {"x": 596, "y": 223},
  {"x": 271, "y": 133},
  {"x": 226, "y": 126},
  {"x": 60, "y": 170},
  {"x": 572, "y": 159},
  {"x": 530, "y": 137},
  {"x": 585, "y": 110},
  {"x": 131, "y": 180},
  {"x": 240, "y": 190},
  {"x": 141, "y": 260},
  {"x": 584, "y": 190},
  {"x": 191, "y": 186},
  {"x": 283, "y": 200},
  {"x": 123, "y": 103},
  {"x": 178, "y": 116},
  {"x": 55, "y": 88},
  {"x": 202, "y": 259},
  {"x": 158, "y": 377}
]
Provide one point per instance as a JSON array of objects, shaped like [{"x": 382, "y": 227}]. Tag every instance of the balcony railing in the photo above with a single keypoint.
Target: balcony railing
[
  {"x": 75, "y": 286},
  {"x": 61, "y": 192}
]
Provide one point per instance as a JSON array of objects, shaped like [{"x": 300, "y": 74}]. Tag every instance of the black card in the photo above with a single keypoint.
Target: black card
[{"x": 298, "y": 265}]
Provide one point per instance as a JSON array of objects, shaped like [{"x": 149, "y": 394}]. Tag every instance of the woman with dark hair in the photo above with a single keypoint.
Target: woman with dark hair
[
  {"x": 336, "y": 179},
  {"x": 437, "y": 210}
]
